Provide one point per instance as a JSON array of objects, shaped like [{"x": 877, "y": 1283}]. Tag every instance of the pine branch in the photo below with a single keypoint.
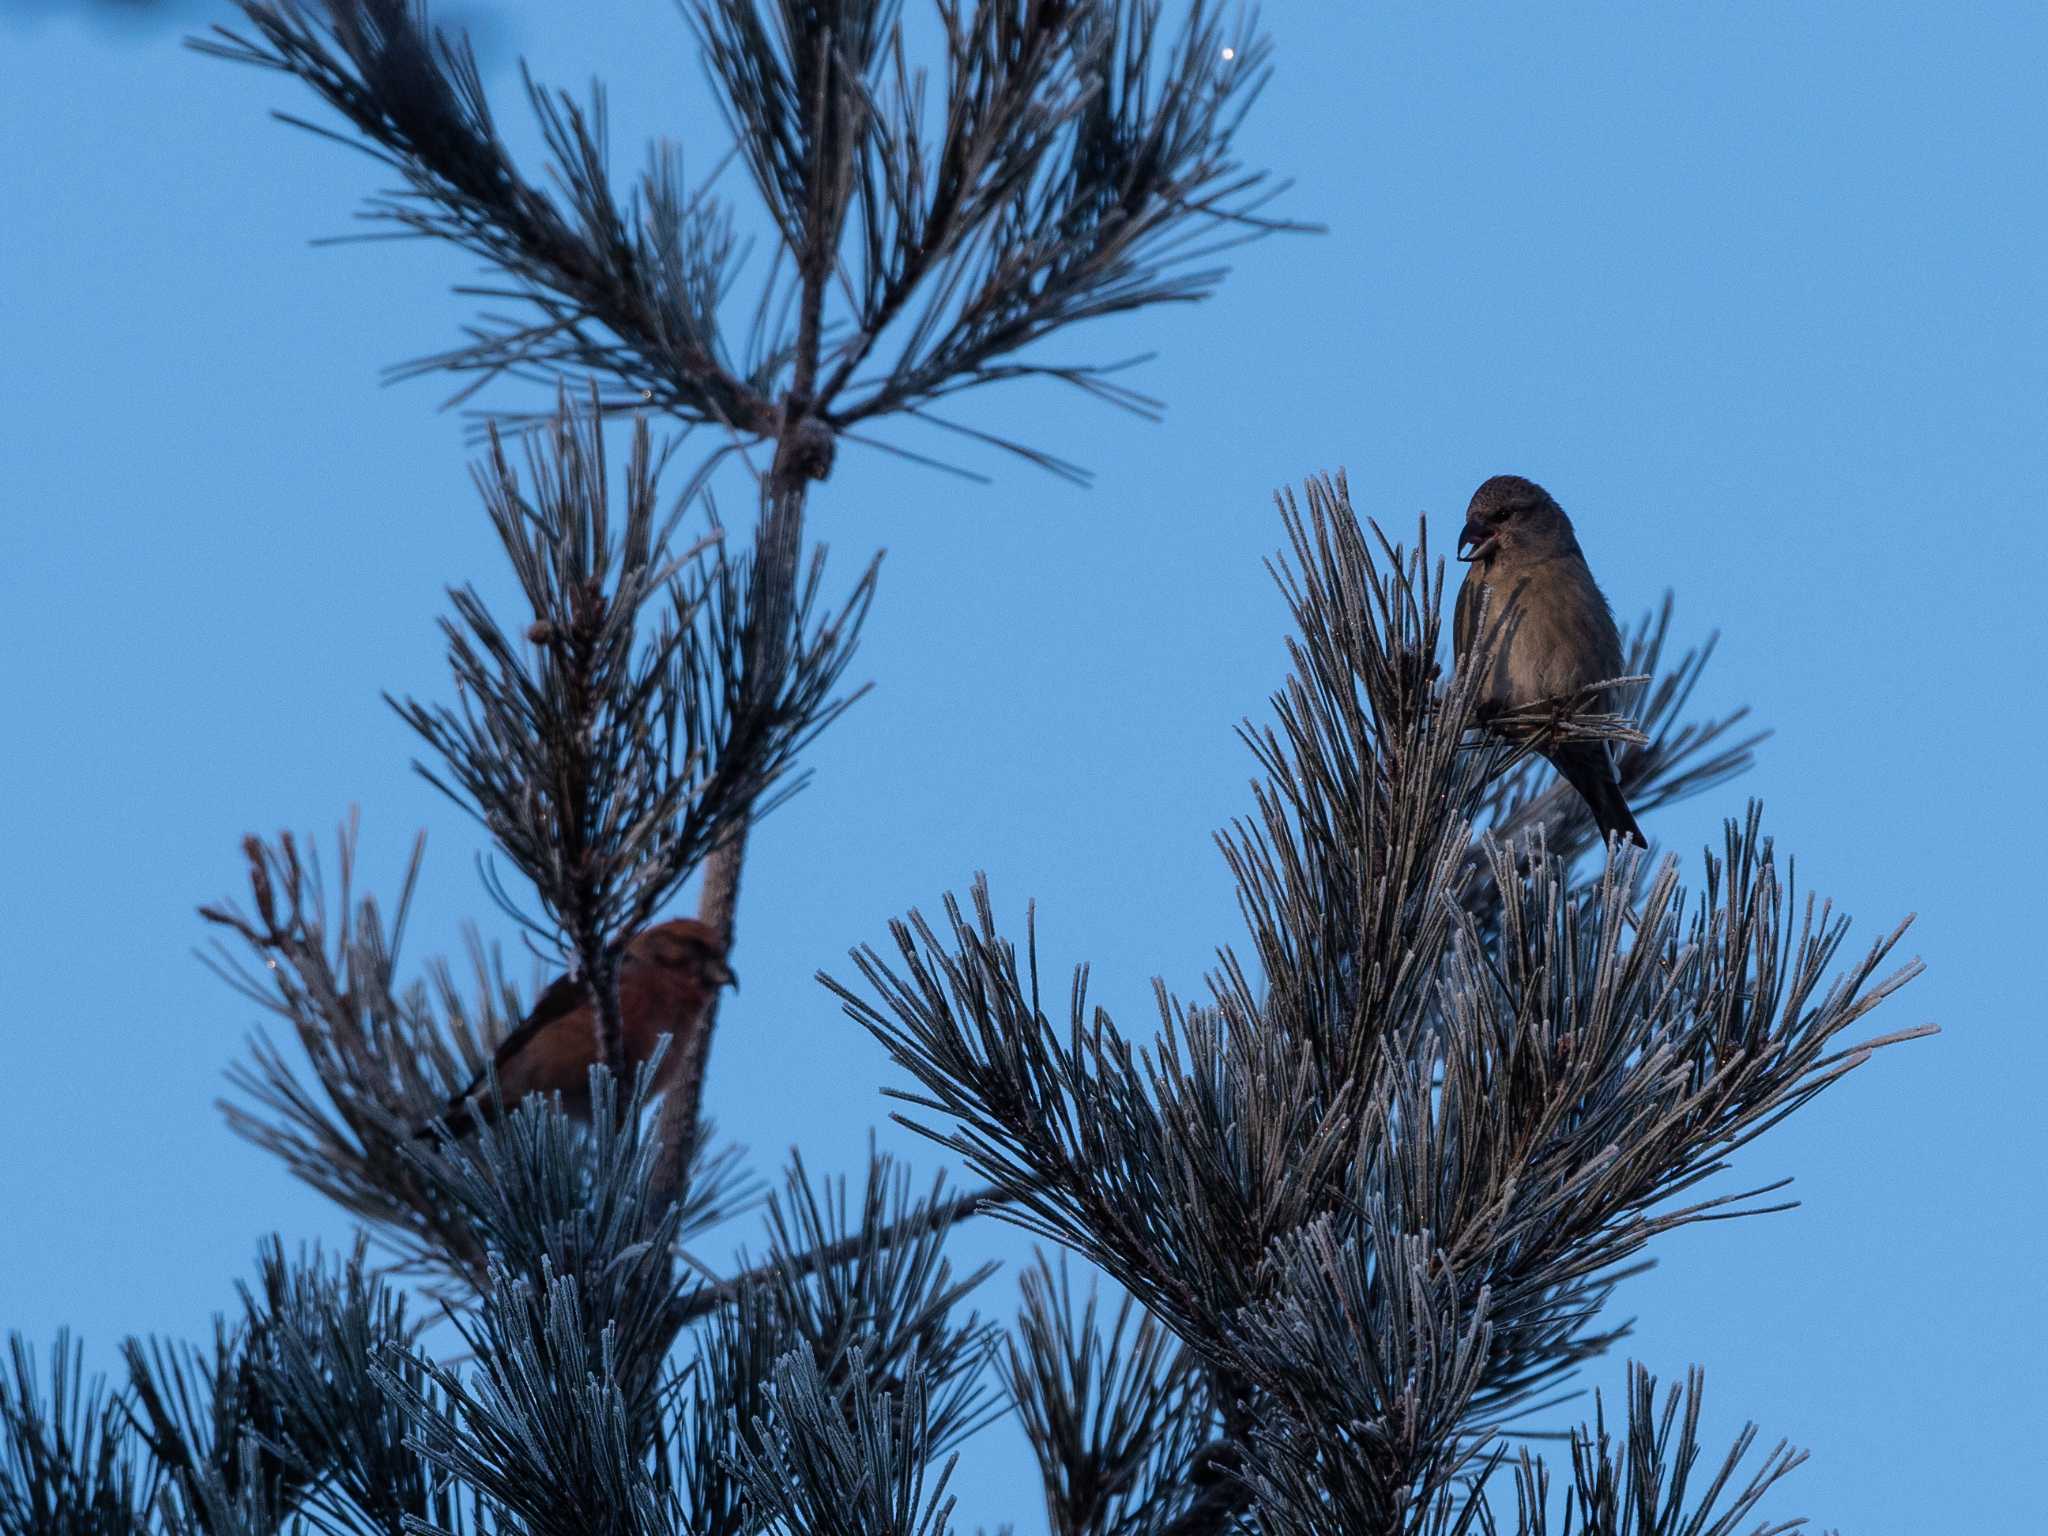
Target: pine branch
[
  {"x": 1080, "y": 149},
  {"x": 1391, "y": 1190},
  {"x": 930, "y": 1220},
  {"x": 69, "y": 1461},
  {"x": 328, "y": 1331},
  {"x": 213, "y": 1424},
  {"x": 546, "y": 1430},
  {"x": 852, "y": 1457},
  {"x": 844, "y": 1346},
  {"x": 1082, "y": 165},
  {"x": 1119, "y": 1417},
  {"x": 627, "y": 292},
  {"x": 383, "y": 1057},
  {"x": 661, "y": 697},
  {"x": 1642, "y": 1485}
]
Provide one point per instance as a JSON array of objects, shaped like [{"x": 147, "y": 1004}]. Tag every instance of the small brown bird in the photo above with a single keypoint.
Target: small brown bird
[
  {"x": 1555, "y": 632},
  {"x": 668, "y": 975}
]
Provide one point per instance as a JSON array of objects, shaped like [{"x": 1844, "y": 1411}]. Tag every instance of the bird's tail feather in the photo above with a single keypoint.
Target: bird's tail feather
[{"x": 1588, "y": 770}]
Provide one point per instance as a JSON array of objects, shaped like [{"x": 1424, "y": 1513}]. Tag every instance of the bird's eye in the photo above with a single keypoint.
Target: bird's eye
[{"x": 1500, "y": 514}]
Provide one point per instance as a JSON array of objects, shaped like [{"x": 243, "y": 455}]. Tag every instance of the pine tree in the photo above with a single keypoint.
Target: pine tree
[{"x": 1362, "y": 1205}]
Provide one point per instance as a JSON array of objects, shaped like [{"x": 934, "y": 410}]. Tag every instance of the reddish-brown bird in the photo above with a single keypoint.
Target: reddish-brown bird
[{"x": 668, "y": 975}]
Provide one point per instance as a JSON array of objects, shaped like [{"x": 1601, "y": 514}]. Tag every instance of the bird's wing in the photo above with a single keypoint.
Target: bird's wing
[
  {"x": 1465, "y": 618},
  {"x": 1607, "y": 634},
  {"x": 563, "y": 996}
]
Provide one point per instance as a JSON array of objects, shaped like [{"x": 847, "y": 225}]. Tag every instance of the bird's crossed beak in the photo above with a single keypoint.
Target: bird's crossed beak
[
  {"x": 726, "y": 976},
  {"x": 1481, "y": 537}
]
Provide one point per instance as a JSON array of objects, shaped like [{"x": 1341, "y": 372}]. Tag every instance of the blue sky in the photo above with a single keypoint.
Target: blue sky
[{"x": 1755, "y": 289}]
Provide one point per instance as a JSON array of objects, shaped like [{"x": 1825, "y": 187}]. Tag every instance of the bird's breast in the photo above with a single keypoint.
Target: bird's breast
[{"x": 1557, "y": 635}]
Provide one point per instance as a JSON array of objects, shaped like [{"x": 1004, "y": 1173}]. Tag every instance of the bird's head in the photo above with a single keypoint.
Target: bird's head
[
  {"x": 1510, "y": 515},
  {"x": 684, "y": 944}
]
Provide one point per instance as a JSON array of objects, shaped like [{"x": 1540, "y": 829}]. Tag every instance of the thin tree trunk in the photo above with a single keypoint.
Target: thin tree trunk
[
  {"x": 778, "y": 559},
  {"x": 803, "y": 453}
]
